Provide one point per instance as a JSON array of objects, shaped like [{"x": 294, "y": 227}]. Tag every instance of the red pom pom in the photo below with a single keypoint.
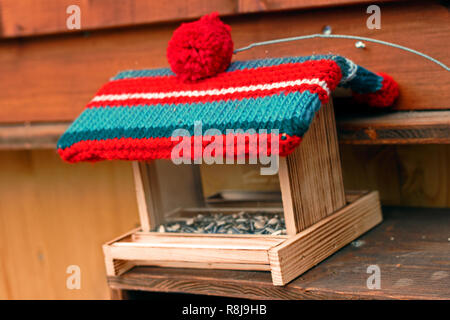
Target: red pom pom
[
  {"x": 382, "y": 98},
  {"x": 200, "y": 49}
]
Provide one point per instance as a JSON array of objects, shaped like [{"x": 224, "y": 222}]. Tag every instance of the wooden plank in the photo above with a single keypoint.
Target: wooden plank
[
  {"x": 148, "y": 195},
  {"x": 199, "y": 250},
  {"x": 410, "y": 247},
  {"x": 210, "y": 241},
  {"x": 204, "y": 265},
  {"x": 57, "y": 76},
  {"x": 115, "y": 267},
  {"x": 26, "y": 136},
  {"x": 395, "y": 128},
  {"x": 53, "y": 215},
  {"x": 38, "y": 17},
  {"x": 406, "y": 175},
  {"x": 142, "y": 251},
  {"x": 298, "y": 254},
  {"x": 311, "y": 177},
  {"x": 139, "y": 185},
  {"x": 207, "y": 235},
  {"x": 290, "y": 214}
]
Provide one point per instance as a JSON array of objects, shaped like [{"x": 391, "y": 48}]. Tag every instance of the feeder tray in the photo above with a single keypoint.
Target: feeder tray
[{"x": 319, "y": 216}]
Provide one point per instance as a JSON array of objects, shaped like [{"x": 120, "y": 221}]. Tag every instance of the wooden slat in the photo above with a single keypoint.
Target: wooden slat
[
  {"x": 402, "y": 127},
  {"x": 31, "y": 135},
  {"x": 209, "y": 241},
  {"x": 207, "y": 235},
  {"x": 204, "y": 265},
  {"x": 53, "y": 78},
  {"x": 145, "y": 210},
  {"x": 410, "y": 247},
  {"x": 115, "y": 267},
  {"x": 188, "y": 251},
  {"x": 142, "y": 251},
  {"x": 148, "y": 195},
  {"x": 396, "y": 128},
  {"x": 306, "y": 249},
  {"x": 38, "y": 17},
  {"x": 311, "y": 177}
]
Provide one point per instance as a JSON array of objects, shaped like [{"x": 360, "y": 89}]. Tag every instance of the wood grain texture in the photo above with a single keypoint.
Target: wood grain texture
[
  {"x": 301, "y": 252},
  {"x": 409, "y": 175},
  {"x": 410, "y": 247},
  {"x": 27, "y": 136},
  {"x": 401, "y": 127},
  {"x": 54, "y": 214},
  {"x": 207, "y": 241},
  {"x": 242, "y": 252},
  {"x": 143, "y": 251},
  {"x": 311, "y": 177},
  {"x": 38, "y": 17},
  {"x": 53, "y": 78},
  {"x": 414, "y": 127},
  {"x": 148, "y": 195}
]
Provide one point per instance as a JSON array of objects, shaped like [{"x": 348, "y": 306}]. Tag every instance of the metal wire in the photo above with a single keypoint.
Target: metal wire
[{"x": 341, "y": 36}]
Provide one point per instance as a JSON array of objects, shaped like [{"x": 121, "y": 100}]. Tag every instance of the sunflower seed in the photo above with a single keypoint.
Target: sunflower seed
[
  {"x": 270, "y": 230},
  {"x": 237, "y": 223},
  {"x": 221, "y": 223},
  {"x": 259, "y": 224},
  {"x": 209, "y": 226}
]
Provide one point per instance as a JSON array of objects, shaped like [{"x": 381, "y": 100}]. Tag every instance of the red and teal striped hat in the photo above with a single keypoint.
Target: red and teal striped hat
[{"x": 134, "y": 115}]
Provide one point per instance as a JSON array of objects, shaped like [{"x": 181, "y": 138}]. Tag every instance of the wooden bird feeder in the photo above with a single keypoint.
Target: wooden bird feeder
[{"x": 320, "y": 217}]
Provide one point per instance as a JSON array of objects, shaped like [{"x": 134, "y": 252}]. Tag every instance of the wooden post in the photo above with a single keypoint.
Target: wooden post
[
  {"x": 147, "y": 193},
  {"x": 311, "y": 177}
]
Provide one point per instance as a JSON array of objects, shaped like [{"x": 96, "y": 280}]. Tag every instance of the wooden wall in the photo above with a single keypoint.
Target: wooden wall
[
  {"x": 39, "y": 17},
  {"x": 62, "y": 72},
  {"x": 53, "y": 215},
  {"x": 405, "y": 175}
]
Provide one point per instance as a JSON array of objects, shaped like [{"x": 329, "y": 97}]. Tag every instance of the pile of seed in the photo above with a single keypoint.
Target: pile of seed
[{"x": 238, "y": 223}]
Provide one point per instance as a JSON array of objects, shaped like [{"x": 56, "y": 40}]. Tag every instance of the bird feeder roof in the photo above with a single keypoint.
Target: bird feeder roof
[{"x": 137, "y": 114}]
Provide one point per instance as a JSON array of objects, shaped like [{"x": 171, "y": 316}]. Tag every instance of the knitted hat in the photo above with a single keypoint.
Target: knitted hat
[{"x": 134, "y": 116}]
